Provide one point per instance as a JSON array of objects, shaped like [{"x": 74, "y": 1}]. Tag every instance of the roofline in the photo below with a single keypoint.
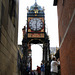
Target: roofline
[{"x": 55, "y": 2}]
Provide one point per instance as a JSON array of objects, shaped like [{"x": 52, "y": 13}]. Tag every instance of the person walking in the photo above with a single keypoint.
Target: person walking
[
  {"x": 54, "y": 66},
  {"x": 42, "y": 69},
  {"x": 33, "y": 73},
  {"x": 36, "y": 73},
  {"x": 38, "y": 70}
]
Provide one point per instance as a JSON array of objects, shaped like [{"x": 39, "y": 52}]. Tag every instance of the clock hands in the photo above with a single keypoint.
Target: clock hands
[{"x": 35, "y": 24}]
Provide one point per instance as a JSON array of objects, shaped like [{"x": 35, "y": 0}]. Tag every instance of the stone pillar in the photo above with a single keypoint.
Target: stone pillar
[
  {"x": 43, "y": 54},
  {"x": 25, "y": 55},
  {"x": 45, "y": 59}
]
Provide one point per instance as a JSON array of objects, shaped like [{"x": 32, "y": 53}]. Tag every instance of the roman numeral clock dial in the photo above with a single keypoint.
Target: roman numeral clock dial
[{"x": 36, "y": 24}]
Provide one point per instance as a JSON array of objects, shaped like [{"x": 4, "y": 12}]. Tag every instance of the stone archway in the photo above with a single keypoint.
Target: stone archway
[{"x": 26, "y": 43}]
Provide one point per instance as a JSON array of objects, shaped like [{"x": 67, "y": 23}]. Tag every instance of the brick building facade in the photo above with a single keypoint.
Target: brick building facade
[
  {"x": 66, "y": 25},
  {"x": 8, "y": 36}
]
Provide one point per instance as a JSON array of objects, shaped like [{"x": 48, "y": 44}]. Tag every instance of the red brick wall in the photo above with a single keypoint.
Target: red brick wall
[
  {"x": 67, "y": 49},
  {"x": 64, "y": 14},
  {"x": 67, "y": 53}
]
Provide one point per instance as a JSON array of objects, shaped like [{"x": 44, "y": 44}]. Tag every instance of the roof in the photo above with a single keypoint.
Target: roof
[
  {"x": 36, "y": 6},
  {"x": 55, "y": 2}
]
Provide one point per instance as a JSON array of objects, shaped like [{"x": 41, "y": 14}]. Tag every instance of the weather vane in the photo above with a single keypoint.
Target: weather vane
[{"x": 35, "y": 1}]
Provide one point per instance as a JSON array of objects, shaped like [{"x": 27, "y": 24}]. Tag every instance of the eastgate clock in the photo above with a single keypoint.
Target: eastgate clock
[{"x": 36, "y": 24}]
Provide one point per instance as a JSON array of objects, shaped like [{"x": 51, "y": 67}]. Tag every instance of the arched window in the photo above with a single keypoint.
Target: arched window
[{"x": 12, "y": 10}]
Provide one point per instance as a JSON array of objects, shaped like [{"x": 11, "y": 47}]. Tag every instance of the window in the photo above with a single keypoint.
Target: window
[
  {"x": 4, "y": 16},
  {"x": 63, "y": 2},
  {"x": 2, "y": 13},
  {"x": 12, "y": 11}
]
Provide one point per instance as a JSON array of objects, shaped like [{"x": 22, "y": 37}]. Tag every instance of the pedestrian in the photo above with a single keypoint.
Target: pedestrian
[
  {"x": 38, "y": 70},
  {"x": 27, "y": 69},
  {"x": 33, "y": 73},
  {"x": 42, "y": 69},
  {"x": 54, "y": 66},
  {"x": 36, "y": 73}
]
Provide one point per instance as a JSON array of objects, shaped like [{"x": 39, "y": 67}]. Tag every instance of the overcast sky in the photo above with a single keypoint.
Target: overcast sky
[{"x": 51, "y": 21}]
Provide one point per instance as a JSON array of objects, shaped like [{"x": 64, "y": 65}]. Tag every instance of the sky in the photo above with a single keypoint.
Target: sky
[
  {"x": 51, "y": 21},
  {"x": 36, "y": 56}
]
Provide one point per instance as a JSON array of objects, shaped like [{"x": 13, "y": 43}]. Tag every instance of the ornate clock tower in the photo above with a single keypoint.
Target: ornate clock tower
[
  {"x": 35, "y": 22},
  {"x": 36, "y": 34}
]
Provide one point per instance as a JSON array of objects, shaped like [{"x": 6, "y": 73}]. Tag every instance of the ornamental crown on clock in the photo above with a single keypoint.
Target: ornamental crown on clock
[{"x": 36, "y": 24}]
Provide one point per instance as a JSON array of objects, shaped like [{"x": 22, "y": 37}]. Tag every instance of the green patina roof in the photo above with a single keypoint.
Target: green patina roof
[{"x": 36, "y": 6}]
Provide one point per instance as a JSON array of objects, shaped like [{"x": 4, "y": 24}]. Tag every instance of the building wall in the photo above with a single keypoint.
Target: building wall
[
  {"x": 0, "y": 12},
  {"x": 66, "y": 24},
  {"x": 8, "y": 38}
]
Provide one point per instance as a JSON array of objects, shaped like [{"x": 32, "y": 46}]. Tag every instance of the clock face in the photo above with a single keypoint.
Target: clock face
[{"x": 35, "y": 24}]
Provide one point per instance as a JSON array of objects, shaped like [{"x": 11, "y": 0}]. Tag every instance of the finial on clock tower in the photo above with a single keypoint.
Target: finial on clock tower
[
  {"x": 35, "y": 1},
  {"x": 27, "y": 8}
]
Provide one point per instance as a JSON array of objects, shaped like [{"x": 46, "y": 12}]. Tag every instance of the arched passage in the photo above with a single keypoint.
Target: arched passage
[
  {"x": 45, "y": 53},
  {"x": 37, "y": 51}
]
